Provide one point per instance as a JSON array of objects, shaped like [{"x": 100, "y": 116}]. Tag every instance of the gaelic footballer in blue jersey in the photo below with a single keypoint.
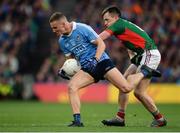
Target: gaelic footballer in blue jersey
[{"x": 82, "y": 42}]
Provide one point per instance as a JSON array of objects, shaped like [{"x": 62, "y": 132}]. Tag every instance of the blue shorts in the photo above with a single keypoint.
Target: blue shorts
[{"x": 101, "y": 69}]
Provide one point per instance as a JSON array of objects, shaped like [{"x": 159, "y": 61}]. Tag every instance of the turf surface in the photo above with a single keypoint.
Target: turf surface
[{"x": 34, "y": 116}]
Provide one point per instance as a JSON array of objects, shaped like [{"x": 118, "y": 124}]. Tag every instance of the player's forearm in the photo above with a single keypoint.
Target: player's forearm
[
  {"x": 131, "y": 54},
  {"x": 100, "y": 48},
  {"x": 104, "y": 35}
]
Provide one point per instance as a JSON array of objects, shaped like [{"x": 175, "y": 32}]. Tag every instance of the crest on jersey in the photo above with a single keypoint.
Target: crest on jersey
[
  {"x": 78, "y": 37},
  {"x": 67, "y": 45}
]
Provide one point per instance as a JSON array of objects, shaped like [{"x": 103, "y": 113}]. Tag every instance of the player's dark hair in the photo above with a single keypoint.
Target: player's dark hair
[
  {"x": 56, "y": 16},
  {"x": 111, "y": 9}
]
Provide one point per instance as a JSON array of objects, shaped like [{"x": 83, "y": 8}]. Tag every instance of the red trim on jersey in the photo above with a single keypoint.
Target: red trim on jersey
[
  {"x": 133, "y": 38},
  {"x": 109, "y": 31}
]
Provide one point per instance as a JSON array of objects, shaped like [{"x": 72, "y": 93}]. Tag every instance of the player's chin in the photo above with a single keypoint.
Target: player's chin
[{"x": 58, "y": 34}]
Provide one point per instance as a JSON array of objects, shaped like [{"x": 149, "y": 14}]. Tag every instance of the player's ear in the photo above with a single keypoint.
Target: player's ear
[
  {"x": 116, "y": 17},
  {"x": 64, "y": 23}
]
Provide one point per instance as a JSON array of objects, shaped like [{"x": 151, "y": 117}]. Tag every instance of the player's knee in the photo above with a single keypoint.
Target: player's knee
[
  {"x": 72, "y": 88},
  {"x": 138, "y": 94}
]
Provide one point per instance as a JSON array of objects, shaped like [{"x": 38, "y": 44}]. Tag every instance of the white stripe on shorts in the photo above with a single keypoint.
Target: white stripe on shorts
[
  {"x": 148, "y": 57},
  {"x": 151, "y": 58}
]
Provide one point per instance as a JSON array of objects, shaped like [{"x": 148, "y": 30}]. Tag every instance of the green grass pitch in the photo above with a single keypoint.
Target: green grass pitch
[{"x": 20, "y": 116}]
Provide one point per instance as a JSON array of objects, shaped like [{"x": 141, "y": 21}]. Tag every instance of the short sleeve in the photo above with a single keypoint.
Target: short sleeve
[
  {"x": 90, "y": 34},
  {"x": 116, "y": 29},
  {"x": 62, "y": 47}
]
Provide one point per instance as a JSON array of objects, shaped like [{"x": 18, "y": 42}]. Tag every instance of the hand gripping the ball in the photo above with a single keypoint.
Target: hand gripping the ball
[
  {"x": 63, "y": 74},
  {"x": 91, "y": 64}
]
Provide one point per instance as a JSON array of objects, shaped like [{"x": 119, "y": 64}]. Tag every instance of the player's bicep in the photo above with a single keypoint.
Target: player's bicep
[
  {"x": 97, "y": 41},
  {"x": 65, "y": 51}
]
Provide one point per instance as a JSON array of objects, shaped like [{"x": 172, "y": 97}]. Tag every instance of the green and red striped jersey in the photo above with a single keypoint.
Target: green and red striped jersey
[{"x": 132, "y": 36}]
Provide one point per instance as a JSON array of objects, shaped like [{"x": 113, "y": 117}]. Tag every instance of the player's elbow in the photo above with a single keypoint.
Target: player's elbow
[{"x": 101, "y": 43}]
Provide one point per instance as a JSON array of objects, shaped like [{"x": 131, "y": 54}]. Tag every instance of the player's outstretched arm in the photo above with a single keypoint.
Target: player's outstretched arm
[{"x": 104, "y": 35}]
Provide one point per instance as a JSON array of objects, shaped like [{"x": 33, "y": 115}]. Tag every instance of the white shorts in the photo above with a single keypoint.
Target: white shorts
[{"x": 150, "y": 58}]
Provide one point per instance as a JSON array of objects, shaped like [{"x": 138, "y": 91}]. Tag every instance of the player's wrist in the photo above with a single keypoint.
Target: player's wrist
[{"x": 96, "y": 58}]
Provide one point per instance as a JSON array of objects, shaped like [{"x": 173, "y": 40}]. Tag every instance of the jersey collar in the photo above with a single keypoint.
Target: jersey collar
[{"x": 73, "y": 28}]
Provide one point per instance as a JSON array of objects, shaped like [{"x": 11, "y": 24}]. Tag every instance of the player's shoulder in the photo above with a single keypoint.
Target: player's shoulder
[
  {"x": 126, "y": 22},
  {"x": 83, "y": 26},
  {"x": 78, "y": 24},
  {"x": 117, "y": 26},
  {"x": 61, "y": 39}
]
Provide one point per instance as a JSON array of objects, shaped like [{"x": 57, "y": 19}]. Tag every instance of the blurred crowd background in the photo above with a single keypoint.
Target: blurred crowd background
[{"x": 29, "y": 52}]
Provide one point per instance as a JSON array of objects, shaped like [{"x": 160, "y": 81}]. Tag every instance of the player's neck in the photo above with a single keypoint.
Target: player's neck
[{"x": 69, "y": 29}]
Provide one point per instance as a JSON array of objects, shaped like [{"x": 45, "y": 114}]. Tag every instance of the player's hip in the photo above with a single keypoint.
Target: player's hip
[
  {"x": 151, "y": 58},
  {"x": 101, "y": 69}
]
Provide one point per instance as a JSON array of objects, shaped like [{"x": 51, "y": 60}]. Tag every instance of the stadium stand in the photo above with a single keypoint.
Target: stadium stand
[{"x": 29, "y": 51}]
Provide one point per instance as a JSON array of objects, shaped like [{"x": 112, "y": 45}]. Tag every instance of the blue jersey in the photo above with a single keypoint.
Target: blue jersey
[{"x": 79, "y": 43}]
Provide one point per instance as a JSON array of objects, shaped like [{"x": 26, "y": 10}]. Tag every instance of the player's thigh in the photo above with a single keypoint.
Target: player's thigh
[
  {"x": 79, "y": 80},
  {"x": 130, "y": 70},
  {"x": 116, "y": 78},
  {"x": 143, "y": 85}
]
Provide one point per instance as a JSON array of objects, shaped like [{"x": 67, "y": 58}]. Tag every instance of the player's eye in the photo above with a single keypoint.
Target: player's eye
[
  {"x": 106, "y": 20},
  {"x": 54, "y": 28}
]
